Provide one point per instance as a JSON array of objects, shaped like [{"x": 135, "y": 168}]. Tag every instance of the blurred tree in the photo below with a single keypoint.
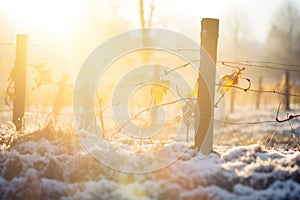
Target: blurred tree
[
  {"x": 63, "y": 97},
  {"x": 144, "y": 20},
  {"x": 284, "y": 37},
  {"x": 147, "y": 21},
  {"x": 236, "y": 35}
]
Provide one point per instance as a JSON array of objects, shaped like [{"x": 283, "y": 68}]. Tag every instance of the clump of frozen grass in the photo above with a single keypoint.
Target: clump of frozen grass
[
  {"x": 61, "y": 136},
  {"x": 272, "y": 140},
  {"x": 7, "y": 135}
]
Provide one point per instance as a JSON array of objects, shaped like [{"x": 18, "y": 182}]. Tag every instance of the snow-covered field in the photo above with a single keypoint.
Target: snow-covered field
[{"x": 249, "y": 162}]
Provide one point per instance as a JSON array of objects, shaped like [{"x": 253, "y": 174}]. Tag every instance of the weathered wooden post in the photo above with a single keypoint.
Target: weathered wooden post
[
  {"x": 20, "y": 81},
  {"x": 209, "y": 42}
]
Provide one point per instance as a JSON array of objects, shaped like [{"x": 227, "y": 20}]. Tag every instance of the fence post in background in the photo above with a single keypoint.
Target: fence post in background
[
  {"x": 287, "y": 90},
  {"x": 209, "y": 42},
  {"x": 298, "y": 99},
  {"x": 258, "y": 99},
  {"x": 232, "y": 100},
  {"x": 20, "y": 81}
]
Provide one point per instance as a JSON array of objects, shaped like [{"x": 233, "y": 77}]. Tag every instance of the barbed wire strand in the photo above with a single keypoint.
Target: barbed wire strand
[
  {"x": 7, "y": 44},
  {"x": 232, "y": 65},
  {"x": 261, "y": 62},
  {"x": 258, "y": 91}
]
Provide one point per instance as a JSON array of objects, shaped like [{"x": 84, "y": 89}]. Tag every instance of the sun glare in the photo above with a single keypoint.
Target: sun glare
[
  {"x": 53, "y": 16},
  {"x": 51, "y": 26}
]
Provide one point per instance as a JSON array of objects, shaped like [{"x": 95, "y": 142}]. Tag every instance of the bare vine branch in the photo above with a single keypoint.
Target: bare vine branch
[
  {"x": 277, "y": 120},
  {"x": 145, "y": 110},
  {"x": 288, "y": 118}
]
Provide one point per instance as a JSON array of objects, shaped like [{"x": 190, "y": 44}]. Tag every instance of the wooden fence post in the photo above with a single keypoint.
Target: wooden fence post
[
  {"x": 209, "y": 42},
  {"x": 20, "y": 81}
]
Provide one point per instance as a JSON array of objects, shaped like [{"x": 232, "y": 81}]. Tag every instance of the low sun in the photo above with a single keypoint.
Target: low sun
[{"x": 55, "y": 16}]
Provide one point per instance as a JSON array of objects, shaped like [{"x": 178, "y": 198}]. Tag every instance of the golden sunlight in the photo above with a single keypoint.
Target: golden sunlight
[{"x": 53, "y": 16}]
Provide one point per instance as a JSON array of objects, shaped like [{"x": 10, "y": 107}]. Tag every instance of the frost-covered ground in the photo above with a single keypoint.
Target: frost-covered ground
[
  {"x": 51, "y": 164},
  {"x": 248, "y": 125}
]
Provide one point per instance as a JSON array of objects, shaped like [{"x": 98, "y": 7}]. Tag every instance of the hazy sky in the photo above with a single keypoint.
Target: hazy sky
[
  {"x": 64, "y": 14},
  {"x": 260, "y": 13}
]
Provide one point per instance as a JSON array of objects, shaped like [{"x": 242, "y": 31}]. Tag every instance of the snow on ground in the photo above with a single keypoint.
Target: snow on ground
[{"x": 51, "y": 164}]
